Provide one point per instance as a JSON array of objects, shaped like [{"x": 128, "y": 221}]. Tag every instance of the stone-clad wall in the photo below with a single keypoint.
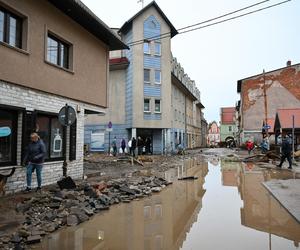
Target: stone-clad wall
[{"x": 14, "y": 95}]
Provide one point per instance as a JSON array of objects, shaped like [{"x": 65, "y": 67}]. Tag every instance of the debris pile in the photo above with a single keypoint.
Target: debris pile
[{"x": 50, "y": 210}]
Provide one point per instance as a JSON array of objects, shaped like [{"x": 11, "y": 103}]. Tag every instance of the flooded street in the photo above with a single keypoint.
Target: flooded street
[{"x": 225, "y": 208}]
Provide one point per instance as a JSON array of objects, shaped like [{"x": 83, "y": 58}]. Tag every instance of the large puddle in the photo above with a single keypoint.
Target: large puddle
[{"x": 225, "y": 208}]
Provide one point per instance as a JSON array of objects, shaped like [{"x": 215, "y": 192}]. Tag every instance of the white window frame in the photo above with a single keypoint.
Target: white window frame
[
  {"x": 157, "y": 54},
  {"x": 149, "y": 48},
  {"x": 159, "y": 76},
  {"x": 157, "y": 112},
  {"x": 147, "y": 111},
  {"x": 149, "y": 75}
]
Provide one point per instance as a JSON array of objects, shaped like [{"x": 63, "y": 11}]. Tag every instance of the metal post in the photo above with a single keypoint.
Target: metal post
[
  {"x": 293, "y": 138},
  {"x": 109, "y": 143},
  {"x": 65, "y": 164}
]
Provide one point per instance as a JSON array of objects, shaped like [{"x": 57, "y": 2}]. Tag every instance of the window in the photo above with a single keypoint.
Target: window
[
  {"x": 51, "y": 132},
  {"x": 157, "y": 76},
  {"x": 57, "y": 52},
  {"x": 8, "y": 136},
  {"x": 146, "y": 105},
  {"x": 157, "y": 50},
  {"x": 10, "y": 28},
  {"x": 230, "y": 128},
  {"x": 157, "y": 106},
  {"x": 147, "y": 48},
  {"x": 147, "y": 75}
]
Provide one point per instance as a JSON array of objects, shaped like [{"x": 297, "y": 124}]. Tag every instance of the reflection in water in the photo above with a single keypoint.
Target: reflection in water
[
  {"x": 261, "y": 211},
  {"x": 235, "y": 213},
  {"x": 161, "y": 221}
]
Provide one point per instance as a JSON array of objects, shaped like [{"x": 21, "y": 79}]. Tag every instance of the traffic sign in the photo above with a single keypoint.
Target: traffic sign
[
  {"x": 267, "y": 126},
  {"x": 67, "y": 115}
]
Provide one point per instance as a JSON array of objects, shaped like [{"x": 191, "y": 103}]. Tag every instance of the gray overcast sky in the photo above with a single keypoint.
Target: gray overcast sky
[{"x": 216, "y": 57}]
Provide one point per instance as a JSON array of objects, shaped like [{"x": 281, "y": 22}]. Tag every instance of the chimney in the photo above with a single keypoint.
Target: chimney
[{"x": 288, "y": 63}]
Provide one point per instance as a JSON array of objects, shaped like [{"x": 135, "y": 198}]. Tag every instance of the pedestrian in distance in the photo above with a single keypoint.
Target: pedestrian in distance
[
  {"x": 114, "y": 146},
  {"x": 140, "y": 145},
  {"x": 130, "y": 146},
  {"x": 34, "y": 159},
  {"x": 123, "y": 145},
  {"x": 133, "y": 146},
  {"x": 249, "y": 146},
  {"x": 286, "y": 150}
]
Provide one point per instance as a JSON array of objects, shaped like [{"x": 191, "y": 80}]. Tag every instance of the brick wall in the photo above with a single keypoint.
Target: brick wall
[
  {"x": 282, "y": 91},
  {"x": 14, "y": 95}
]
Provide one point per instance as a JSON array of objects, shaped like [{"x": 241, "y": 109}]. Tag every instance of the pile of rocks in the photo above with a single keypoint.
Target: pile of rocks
[{"x": 53, "y": 209}]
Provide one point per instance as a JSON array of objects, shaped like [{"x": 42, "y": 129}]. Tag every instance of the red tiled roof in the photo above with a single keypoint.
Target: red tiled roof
[
  {"x": 228, "y": 115},
  {"x": 285, "y": 117}
]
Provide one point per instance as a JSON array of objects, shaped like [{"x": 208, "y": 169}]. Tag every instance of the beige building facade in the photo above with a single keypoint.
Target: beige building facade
[
  {"x": 149, "y": 95},
  {"x": 48, "y": 59}
]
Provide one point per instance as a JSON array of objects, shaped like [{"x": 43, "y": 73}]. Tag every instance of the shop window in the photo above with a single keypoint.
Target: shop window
[
  {"x": 10, "y": 28},
  {"x": 8, "y": 137},
  {"x": 57, "y": 51},
  {"x": 51, "y": 132}
]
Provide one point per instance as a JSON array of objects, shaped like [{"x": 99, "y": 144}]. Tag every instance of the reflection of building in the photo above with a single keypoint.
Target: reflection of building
[
  {"x": 230, "y": 173},
  {"x": 52, "y": 53},
  {"x": 213, "y": 136},
  {"x": 261, "y": 211},
  {"x": 161, "y": 221}
]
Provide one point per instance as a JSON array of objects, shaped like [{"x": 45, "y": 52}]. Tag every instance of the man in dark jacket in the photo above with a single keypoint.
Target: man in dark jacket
[
  {"x": 286, "y": 150},
  {"x": 133, "y": 146},
  {"x": 34, "y": 159}
]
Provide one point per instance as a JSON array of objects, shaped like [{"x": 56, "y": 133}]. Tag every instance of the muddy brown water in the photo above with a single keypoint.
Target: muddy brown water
[{"x": 225, "y": 208}]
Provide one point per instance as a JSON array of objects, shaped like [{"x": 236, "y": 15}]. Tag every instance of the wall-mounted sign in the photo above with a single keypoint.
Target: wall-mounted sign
[
  {"x": 67, "y": 115},
  {"x": 5, "y": 131}
]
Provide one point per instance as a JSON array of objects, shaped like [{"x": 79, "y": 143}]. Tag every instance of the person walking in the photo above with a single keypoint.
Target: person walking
[
  {"x": 123, "y": 145},
  {"x": 249, "y": 146},
  {"x": 34, "y": 159},
  {"x": 286, "y": 150},
  {"x": 133, "y": 146}
]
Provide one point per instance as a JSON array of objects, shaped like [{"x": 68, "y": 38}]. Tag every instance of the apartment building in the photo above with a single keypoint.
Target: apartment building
[{"x": 147, "y": 97}]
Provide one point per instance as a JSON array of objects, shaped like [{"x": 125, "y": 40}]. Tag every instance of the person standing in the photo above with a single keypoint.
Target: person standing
[
  {"x": 148, "y": 145},
  {"x": 34, "y": 159},
  {"x": 133, "y": 146},
  {"x": 123, "y": 145},
  {"x": 286, "y": 150},
  {"x": 129, "y": 146},
  {"x": 140, "y": 145},
  {"x": 114, "y": 146}
]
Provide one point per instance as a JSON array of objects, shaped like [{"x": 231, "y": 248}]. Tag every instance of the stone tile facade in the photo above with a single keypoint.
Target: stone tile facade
[{"x": 20, "y": 97}]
